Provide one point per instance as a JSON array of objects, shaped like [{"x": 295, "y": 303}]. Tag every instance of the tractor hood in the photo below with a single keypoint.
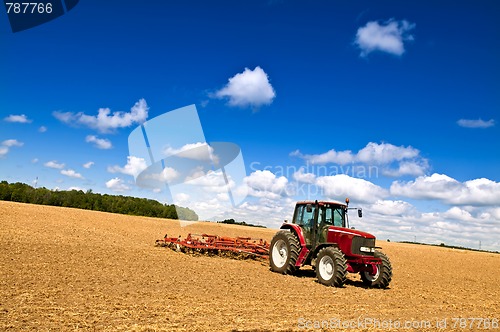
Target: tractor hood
[{"x": 349, "y": 231}]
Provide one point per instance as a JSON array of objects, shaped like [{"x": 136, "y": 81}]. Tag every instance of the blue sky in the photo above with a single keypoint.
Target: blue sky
[{"x": 315, "y": 93}]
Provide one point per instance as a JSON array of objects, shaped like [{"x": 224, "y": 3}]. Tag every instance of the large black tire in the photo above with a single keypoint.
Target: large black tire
[
  {"x": 283, "y": 252},
  {"x": 383, "y": 276},
  {"x": 331, "y": 267}
]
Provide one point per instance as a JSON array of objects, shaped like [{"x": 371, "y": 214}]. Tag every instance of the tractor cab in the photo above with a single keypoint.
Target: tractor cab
[{"x": 316, "y": 218}]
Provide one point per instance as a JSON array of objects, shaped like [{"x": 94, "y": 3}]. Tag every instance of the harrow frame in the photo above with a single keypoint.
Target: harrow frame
[{"x": 214, "y": 245}]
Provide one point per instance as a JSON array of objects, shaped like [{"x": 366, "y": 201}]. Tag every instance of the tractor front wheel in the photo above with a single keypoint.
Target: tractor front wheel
[
  {"x": 381, "y": 275},
  {"x": 283, "y": 252},
  {"x": 331, "y": 267}
]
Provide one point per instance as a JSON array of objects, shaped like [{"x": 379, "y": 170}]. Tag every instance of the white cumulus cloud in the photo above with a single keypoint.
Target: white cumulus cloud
[
  {"x": 331, "y": 156},
  {"x": 100, "y": 143},
  {"x": 477, "y": 192},
  {"x": 464, "y": 226},
  {"x": 436, "y": 186},
  {"x": 385, "y": 153},
  {"x": 211, "y": 181},
  {"x": 479, "y": 123},
  {"x": 392, "y": 208},
  {"x": 167, "y": 175},
  {"x": 71, "y": 173},
  {"x": 133, "y": 167},
  {"x": 300, "y": 176},
  {"x": 7, "y": 144},
  {"x": 22, "y": 118},
  {"x": 12, "y": 142},
  {"x": 270, "y": 211},
  {"x": 88, "y": 165},
  {"x": 415, "y": 168},
  {"x": 42, "y": 129},
  {"x": 181, "y": 198},
  {"x": 195, "y": 151},
  {"x": 249, "y": 88},
  {"x": 266, "y": 184},
  {"x": 386, "y": 37},
  {"x": 104, "y": 121},
  {"x": 117, "y": 184},
  {"x": 407, "y": 159},
  {"x": 342, "y": 185},
  {"x": 54, "y": 164},
  {"x": 372, "y": 153}
]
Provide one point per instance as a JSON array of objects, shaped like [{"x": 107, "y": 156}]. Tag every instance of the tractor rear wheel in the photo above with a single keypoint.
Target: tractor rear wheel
[
  {"x": 383, "y": 274},
  {"x": 331, "y": 267},
  {"x": 283, "y": 252}
]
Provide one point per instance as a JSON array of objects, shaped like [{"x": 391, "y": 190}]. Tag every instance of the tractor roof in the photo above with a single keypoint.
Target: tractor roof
[{"x": 321, "y": 202}]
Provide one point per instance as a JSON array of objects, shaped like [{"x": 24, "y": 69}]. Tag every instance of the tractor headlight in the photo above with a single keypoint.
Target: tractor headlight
[{"x": 367, "y": 249}]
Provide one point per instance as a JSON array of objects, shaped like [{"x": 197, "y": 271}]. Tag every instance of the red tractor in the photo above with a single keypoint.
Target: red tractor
[{"x": 319, "y": 235}]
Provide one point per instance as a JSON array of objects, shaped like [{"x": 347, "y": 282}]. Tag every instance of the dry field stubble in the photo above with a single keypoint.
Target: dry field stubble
[{"x": 69, "y": 269}]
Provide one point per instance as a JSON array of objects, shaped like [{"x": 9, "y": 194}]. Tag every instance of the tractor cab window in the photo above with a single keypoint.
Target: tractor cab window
[
  {"x": 304, "y": 217},
  {"x": 332, "y": 216},
  {"x": 338, "y": 217},
  {"x": 329, "y": 215},
  {"x": 325, "y": 216},
  {"x": 325, "y": 220}
]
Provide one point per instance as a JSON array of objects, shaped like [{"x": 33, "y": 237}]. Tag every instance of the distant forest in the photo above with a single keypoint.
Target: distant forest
[
  {"x": 234, "y": 222},
  {"x": 23, "y": 193}
]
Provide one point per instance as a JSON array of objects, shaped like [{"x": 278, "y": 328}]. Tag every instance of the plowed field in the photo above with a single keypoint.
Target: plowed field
[{"x": 69, "y": 269}]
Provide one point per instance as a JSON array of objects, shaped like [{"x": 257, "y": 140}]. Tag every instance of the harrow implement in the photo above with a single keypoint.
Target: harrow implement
[{"x": 214, "y": 245}]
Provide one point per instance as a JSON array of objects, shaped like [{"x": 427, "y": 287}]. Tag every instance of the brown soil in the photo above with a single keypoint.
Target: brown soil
[{"x": 69, "y": 269}]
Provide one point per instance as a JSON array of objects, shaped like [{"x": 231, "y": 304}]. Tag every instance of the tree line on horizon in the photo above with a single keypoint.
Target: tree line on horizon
[
  {"x": 241, "y": 223},
  {"x": 24, "y": 193},
  {"x": 442, "y": 244}
]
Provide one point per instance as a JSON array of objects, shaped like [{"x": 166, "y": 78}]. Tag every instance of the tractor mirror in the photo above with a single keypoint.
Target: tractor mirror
[
  {"x": 309, "y": 208},
  {"x": 360, "y": 213}
]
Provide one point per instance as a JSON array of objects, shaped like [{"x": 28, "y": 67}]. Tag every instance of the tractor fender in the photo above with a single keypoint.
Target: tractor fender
[
  {"x": 324, "y": 245},
  {"x": 304, "y": 252},
  {"x": 297, "y": 230}
]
